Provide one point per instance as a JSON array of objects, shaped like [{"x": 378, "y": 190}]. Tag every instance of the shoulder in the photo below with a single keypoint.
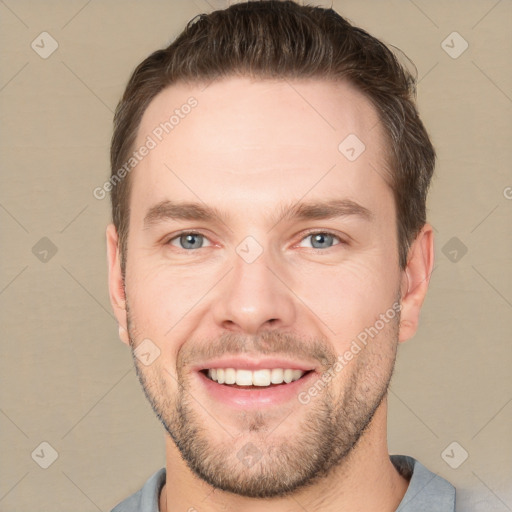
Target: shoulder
[
  {"x": 146, "y": 498},
  {"x": 427, "y": 491}
]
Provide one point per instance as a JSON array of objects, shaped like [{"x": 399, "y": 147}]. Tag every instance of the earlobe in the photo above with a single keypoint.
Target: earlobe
[
  {"x": 115, "y": 282},
  {"x": 415, "y": 281},
  {"x": 123, "y": 335}
]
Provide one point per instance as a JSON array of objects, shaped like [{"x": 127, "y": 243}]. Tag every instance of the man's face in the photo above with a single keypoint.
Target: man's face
[{"x": 263, "y": 288}]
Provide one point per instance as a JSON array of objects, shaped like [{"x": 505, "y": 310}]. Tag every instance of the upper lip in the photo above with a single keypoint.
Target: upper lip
[{"x": 254, "y": 363}]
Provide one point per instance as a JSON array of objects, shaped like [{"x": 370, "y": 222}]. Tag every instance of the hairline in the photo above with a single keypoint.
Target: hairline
[{"x": 389, "y": 159}]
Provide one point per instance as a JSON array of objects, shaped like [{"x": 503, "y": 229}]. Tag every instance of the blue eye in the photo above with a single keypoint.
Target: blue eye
[
  {"x": 322, "y": 240},
  {"x": 188, "y": 241}
]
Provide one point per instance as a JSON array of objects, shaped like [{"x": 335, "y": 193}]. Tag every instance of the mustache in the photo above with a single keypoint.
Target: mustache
[{"x": 264, "y": 344}]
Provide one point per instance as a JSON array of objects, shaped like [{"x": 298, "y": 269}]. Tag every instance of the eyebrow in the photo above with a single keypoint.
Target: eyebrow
[{"x": 314, "y": 210}]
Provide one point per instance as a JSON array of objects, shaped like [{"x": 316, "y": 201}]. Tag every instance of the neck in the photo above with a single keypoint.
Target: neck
[{"x": 365, "y": 480}]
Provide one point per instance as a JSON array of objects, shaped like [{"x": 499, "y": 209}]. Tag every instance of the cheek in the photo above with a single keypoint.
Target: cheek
[
  {"x": 160, "y": 382},
  {"x": 161, "y": 295},
  {"x": 349, "y": 298},
  {"x": 166, "y": 304}
]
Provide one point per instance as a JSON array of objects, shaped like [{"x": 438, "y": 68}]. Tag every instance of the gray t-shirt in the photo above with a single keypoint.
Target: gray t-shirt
[{"x": 427, "y": 492}]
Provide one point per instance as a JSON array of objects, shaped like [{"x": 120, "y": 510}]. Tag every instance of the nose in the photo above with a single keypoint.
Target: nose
[{"x": 254, "y": 297}]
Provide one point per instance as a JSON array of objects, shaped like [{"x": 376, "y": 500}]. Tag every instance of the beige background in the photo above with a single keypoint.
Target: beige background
[{"x": 66, "y": 378}]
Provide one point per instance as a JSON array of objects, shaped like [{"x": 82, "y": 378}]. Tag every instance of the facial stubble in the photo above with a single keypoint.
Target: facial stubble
[{"x": 326, "y": 431}]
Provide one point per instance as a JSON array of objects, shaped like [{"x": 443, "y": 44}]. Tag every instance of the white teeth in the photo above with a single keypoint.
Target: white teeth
[
  {"x": 244, "y": 377},
  {"x": 261, "y": 378},
  {"x": 254, "y": 378},
  {"x": 277, "y": 376},
  {"x": 229, "y": 376},
  {"x": 296, "y": 374}
]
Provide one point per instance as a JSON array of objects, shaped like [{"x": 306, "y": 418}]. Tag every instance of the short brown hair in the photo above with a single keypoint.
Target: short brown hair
[{"x": 280, "y": 40}]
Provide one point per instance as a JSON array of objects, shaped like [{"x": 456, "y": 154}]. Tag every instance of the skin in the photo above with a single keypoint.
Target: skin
[{"x": 249, "y": 147}]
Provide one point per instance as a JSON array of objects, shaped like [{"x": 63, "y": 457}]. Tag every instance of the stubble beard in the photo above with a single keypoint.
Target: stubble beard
[{"x": 327, "y": 429}]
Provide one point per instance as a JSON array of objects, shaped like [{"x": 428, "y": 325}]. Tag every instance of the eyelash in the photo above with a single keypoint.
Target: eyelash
[{"x": 306, "y": 235}]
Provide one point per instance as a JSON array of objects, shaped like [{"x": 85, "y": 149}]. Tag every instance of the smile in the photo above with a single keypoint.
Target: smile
[
  {"x": 260, "y": 378},
  {"x": 246, "y": 382}
]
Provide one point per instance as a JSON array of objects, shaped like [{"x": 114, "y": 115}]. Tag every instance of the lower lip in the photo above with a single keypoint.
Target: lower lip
[{"x": 251, "y": 397}]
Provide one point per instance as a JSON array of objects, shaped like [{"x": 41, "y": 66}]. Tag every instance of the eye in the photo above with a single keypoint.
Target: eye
[
  {"x": 321, "y": 240},
  {"x": 188, "y": 241}
]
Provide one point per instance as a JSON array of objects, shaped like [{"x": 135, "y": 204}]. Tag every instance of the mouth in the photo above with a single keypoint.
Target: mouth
[
  {"x": 254, "y": 379},
  {"x": 254, "y": 384}
]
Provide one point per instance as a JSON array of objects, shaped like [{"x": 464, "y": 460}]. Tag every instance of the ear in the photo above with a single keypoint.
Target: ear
[
  {"x": 115, "y": 282},
  {"x": 415, "y": 280}
]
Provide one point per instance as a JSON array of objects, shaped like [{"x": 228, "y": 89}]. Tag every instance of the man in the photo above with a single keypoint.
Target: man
[{"x": 268, "y": 252}]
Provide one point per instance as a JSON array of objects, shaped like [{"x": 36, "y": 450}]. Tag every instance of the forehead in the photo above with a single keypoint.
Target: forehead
[{"x": 258, "y": 141}]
